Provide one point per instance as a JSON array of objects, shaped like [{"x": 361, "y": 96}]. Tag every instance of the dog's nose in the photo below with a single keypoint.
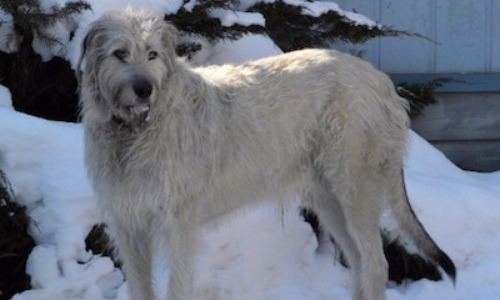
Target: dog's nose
[{"x": 143, "y": 88}]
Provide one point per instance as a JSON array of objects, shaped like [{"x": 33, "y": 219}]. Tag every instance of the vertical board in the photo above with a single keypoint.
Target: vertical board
[
  {"x": 495, "y": 36},
  {"x": 408, "y": 54},
  {"x": 462, "y": 34},
  {"x": 465, "y": 35},
  {"x": 370, "y": 49}
]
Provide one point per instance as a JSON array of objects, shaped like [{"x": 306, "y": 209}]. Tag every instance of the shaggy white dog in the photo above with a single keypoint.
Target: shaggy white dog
[{"x": 169, "y": 147}]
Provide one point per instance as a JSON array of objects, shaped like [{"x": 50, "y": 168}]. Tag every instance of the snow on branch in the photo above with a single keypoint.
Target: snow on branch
[
  {"x": 34, "y": 21},
  {"x": 292, "y": 24},
  {"x": 318, "y": 8},
  {"x": 297, "y": 24},
  {"x": 229, "y": 17}
]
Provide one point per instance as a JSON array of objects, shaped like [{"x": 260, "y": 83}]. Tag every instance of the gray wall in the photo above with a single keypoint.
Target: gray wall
[
  {"x": 466, "y": 35},
  {"x": 466, "y": 127}
]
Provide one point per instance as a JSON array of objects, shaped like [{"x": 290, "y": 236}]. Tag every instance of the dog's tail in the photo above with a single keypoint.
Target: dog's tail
[{"x": 411, "y": 226}]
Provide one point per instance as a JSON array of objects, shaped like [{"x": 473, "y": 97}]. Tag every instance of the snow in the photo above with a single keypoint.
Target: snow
[
  {"x": 5, "y": 97},
  {"x": 230, "y": 17},
  {"x": 317, "y": 8},
  {"x": 261, "y": 253}
]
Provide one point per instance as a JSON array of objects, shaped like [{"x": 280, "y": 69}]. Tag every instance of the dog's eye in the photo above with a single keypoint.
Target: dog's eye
[
  {"x": 120, "y": 54},
  {"x": 152, "y": 55}
]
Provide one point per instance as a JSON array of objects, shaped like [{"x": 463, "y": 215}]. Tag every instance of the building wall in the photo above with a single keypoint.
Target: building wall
[
  {"x": 462, "y": 43},
  {"x": 465, "y": 127},
  {"x": 462, "y": 35}
]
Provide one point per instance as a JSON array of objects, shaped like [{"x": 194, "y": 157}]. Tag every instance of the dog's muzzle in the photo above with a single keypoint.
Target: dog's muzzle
[
  {"x": 138, "y": 111},
  {"x": 143, "y": 90}
]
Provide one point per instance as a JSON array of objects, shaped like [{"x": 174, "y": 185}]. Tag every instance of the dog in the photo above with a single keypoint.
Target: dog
[{"x": 169, "y": 147}]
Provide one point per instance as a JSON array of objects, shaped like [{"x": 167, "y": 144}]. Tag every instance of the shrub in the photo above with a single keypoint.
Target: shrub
[
  {"x": 15, "y": 243},
  {"x": 39, "y": 88}
]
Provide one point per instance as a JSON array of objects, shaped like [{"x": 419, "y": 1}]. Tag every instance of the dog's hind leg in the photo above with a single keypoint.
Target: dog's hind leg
[
  {"x": 135, "y": 249},
  {"x": 357, "y": 207},
  {"x": 331, "y": 216},
  {"x": 362, "y": 213}
]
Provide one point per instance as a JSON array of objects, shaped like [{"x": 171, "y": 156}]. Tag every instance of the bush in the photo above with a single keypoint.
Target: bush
[
  {"x": 402, "y": 264},
  {"x": 15, "y": 243},
  {"x": 42, "y": 89},
  {"x": 99, "y": 243},
  {"x": 420, "y": 95}
]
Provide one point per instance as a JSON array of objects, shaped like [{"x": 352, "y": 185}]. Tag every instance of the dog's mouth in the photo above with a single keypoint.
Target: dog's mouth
[
  {"x": 134, "y": 115},
  {"x": 130, "y": 109},
  {"x": 140, "y": 110}
]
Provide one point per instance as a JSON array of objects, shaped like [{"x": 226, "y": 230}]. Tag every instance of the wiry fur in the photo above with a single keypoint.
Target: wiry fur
[{"x": 208, "y": 141}]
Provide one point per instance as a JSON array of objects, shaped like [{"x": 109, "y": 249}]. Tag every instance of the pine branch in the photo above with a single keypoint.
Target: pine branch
[
  {"x": 292, "y": 29},
  {"x": 198, "y": 21},
  {"x": 188, "y": 49},
  {"x": 420, "y": 95},
  {"x": 6, "y": 192},
  {"x": 30, "y": 20}
]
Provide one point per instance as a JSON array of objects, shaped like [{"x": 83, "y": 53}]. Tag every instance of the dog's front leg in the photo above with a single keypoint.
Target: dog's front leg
[
  {"x": 135, "y": 250},
  {"x": 182, "y": 253}
]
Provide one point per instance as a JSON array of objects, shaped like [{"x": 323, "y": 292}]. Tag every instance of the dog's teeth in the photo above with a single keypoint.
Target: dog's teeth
[{"x": 139, "y": 109}]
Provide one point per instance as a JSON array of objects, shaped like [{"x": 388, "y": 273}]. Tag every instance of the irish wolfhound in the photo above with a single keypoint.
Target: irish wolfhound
[{"x": 169, "y": 147}]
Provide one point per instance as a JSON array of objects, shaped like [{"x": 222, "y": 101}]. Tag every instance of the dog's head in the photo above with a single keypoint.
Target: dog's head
[{"x": 127, "y": 56}]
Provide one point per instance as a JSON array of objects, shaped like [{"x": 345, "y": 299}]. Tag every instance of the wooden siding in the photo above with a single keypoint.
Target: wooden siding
[
  {"x": 455, "y": 118},
  {"x": 463, "y": 44},
  {"x": 458, "y": 82},
  {"x": 465, "y": 127},
  {"x": 464, "y": 35}
]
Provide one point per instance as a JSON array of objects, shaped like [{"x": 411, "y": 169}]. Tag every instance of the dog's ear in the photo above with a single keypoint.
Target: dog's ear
[
  {"x": 94, "y": 30},
  {"x": 170, "y": 38},
  {"x": 170, "y": 35}
]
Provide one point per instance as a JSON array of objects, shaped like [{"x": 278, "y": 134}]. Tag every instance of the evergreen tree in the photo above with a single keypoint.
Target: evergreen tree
[
  {"x": 303, "y": 24},
  {"x": 420, "y": 95},
  {"x": 23, "y": 72},
  {"x": 15, "y": 243},
  {"x": 30, "y": 20}
]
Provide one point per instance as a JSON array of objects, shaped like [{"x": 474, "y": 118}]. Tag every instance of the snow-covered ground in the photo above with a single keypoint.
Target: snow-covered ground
[{"x": 258, "y": 254}]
